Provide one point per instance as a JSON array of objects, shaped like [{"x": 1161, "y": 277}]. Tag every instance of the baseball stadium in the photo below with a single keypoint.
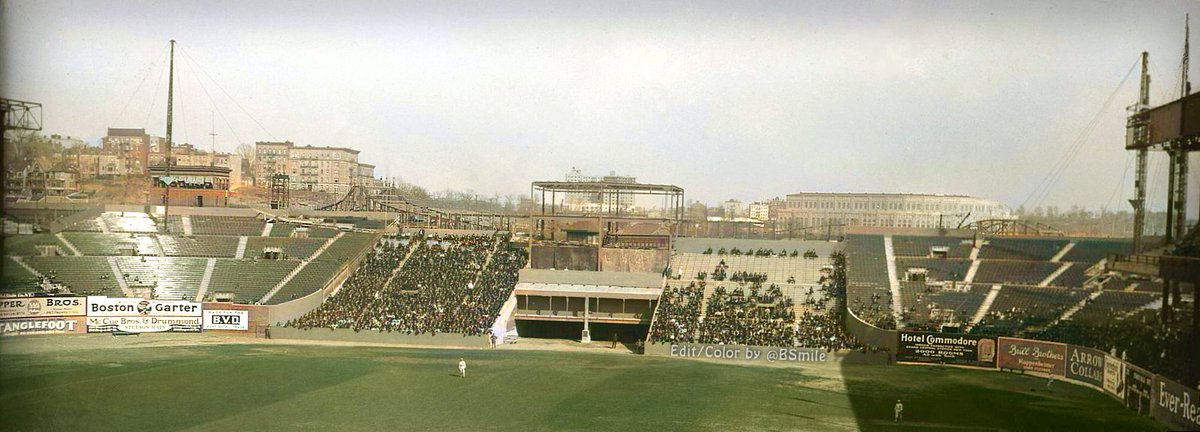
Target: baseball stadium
[{"x": 144, "y": 287}]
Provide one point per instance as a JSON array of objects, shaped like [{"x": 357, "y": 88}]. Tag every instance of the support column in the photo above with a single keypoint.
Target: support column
[
  {"x": 587, "y": 334},
  {"x": 1165, "y": 313}
]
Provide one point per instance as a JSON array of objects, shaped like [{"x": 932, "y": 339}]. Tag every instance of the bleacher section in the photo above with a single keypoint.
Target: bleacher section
[
  {"x": 282, "y": 229},
  {"x": 88, "y": 275},
  {"x": 200, "y": 246},
  {"x": 14, "y": 278},
  {"x": 98, "y": 244},
  {"x": 1092, "y": 251},
  {"x": 1022, "y": 307},
  {"x": 927, "y": 306},
  {"x": 777, "y": 269},
  {"x": 1112, "y": 304},
  {"x": 314, "y": 275},
  {"x": 937, "y": 268},
  {"x": 26, "y": 245},
  {"x": 914, "y": 246},
  {"x": 227, "y": 225},
  {"x": 320, "y": 232},
  {"x": 297, "y": 248},
  {"x": 310, "y": 279},
  {"x": 248, "y": 279},
  {"x": 1074, "y": 276},
  {"x": 171, "y": 278},
  {"x": 867, "y": 291},
  {"x": 129, "y": 222},
  {"x": 1015, "y": 272},
  {"x": 1022, "y": 249}
]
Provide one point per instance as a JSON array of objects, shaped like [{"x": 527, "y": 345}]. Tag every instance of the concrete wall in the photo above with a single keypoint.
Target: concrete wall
[
  {"x": 633, "y": 260},
  {"x": 564, "y": 257},
  {"x": 871, "y": 335},
  {"x": 348, "y": 335}
]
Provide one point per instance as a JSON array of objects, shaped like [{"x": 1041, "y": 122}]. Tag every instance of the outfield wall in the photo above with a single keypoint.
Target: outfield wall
[
  {"x": 870, "y": 335},
  {"x": 1155, "y": 395},
  {"x": 633, "y": 260},
  {"x": 349, "y": 335}
]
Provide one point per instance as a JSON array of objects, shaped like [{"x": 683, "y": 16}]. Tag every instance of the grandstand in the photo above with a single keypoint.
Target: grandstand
[
  {"x": 170, "y": 278},
  {"x": 130, "y": 253},
  {"x": 87, "y": 275},
  {"x": 1015, "y": 272},
  {"x": 1032, "y": 249},
  {"x": 226, "y": 225},
  {"x": 199, "y": 246},
  {"x": 248, "y": 280},
  {"x": 919, "y": 246}
]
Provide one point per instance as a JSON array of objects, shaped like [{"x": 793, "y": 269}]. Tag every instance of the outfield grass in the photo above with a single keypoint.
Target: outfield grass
[{"x": 288, "y": 387}]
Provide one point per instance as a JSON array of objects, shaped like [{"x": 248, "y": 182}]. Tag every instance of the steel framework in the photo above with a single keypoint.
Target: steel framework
[
  {"x": 609, "y": 194},
  {"x": 1014, "y": 228},
  {"x": 411, "y": 214},
  {"x": 21, "y": 115}
]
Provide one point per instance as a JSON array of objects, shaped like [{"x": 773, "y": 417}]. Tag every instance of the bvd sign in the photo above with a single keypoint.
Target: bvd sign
[{"x": 226, "y": 319}]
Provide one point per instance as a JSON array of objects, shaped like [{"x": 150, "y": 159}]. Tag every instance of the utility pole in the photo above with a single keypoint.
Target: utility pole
[
  {"x": 212, "y": 159},
  {"x": 1139, "y": 182},
  {"x": 170, "y": 107}
]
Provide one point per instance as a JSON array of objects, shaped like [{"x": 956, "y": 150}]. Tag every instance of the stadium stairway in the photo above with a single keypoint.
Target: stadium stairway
[
  {"x": 158, "y": 242},
  {"x": 187, "y": 224},
  {"x": 119, "y": 277},
  {"x": 974, "y": 252},
  {"x": 1058, "y": 256},
  {"x": 986, "y": 305},
  {"x": 241, "y": 247},
  {"x": 1071, "y": 310},
  {"x": 1061, "y": 269},
  {"x": 103, "y": 226},
  {"x": 283, "y": 282},
  {"x": 411, "y": 247},
  {"x": 893, "y": 280},
  {"x": 266, "y": 232},
  {"x": 28, "y": 267},
  {"x": 204, "y": 281},
  {"x": 970, "y": 277},
  {"x": 70, "y": 246}
]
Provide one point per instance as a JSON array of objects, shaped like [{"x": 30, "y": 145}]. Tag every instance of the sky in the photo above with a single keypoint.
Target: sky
[{"x": 742, "y": 100}]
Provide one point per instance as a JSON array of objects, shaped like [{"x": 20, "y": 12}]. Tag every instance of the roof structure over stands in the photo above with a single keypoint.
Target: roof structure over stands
[{"x": 590, "y": 278}]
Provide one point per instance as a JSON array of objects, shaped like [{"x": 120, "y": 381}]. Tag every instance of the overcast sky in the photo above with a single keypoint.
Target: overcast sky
[{"x": 727, "y": 100}]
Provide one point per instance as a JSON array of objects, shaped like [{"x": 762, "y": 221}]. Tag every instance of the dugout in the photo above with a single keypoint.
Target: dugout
[{"x": 585, "y": 306}]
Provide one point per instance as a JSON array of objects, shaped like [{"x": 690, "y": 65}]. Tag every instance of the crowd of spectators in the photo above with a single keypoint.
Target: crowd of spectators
[
  {"x": 740, "y": 311},
  {"x": 755, "y": 319},
  {"x": 678, "y": 315},
  {"x": 760, "y": 252},
  {"x": 447, "y": 284}
]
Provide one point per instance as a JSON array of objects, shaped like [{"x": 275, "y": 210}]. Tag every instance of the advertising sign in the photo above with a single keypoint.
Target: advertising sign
[
  {"x": 1139, "y": 384},
  {"x": 226, "y": 319},
  {"x": 749, "y": 353},
  {"x": 32, "y": 307},
  {"x": 949, "y": 348},
  {"x": 1085, "y": 364},
  {"x": 1175, "y": 404},
  {"x": 142, "y": 324},
  {"x": 126, "y": 307},
  {"x": 1114, "y": 377},
  {"x": 1033, "y": 356},
  {"x": 28, "y": 326},
  {"x": 136, "y": 315}
]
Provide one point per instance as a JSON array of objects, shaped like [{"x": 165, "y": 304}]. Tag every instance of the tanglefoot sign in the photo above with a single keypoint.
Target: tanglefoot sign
[{"x": 749, "y": 353}]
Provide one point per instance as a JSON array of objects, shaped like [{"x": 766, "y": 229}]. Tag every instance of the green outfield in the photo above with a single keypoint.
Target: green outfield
[{"x": 293, "y": 387}]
